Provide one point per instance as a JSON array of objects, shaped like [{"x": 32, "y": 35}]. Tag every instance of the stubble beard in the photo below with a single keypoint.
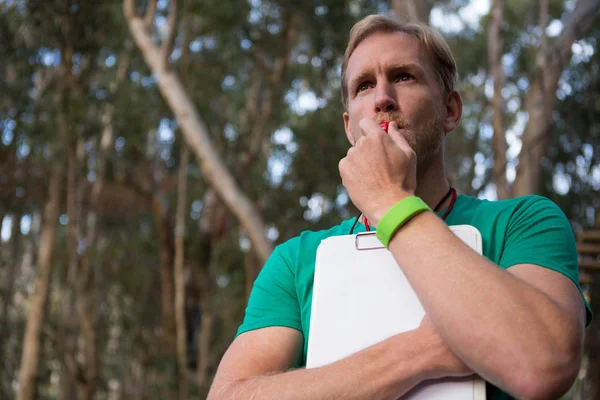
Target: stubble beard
[{"x": 426, "y": 141}]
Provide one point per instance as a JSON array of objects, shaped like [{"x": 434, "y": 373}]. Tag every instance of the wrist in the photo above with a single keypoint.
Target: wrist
[
  {"x": 397, "y": 216},
  {"x": 432, "y": 355},
  {"x": 413, "y": 357},
  {"x": 384, "y": 203},
  {"x": 427, "y": 360}
]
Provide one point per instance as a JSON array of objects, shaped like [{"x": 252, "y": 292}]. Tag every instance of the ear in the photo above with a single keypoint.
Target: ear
[
  {"x": 454, "y": 109},
  {"x": 347, "y": 128}
]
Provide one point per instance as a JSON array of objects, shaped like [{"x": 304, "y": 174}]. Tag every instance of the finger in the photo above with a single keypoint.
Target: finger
[
  {"x": 398, "y": 138},
  {"x": 370, "y": 127},
  {"x": 342, "y": 165}
]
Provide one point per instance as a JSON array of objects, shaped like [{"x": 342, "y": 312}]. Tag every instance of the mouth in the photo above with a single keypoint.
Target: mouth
[{"x": 386, "y": 124}]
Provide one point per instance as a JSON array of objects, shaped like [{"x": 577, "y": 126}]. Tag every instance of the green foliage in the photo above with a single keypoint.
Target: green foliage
[
  {"x": 285, "y": 156},
  {"x": 574, "y": 156}
]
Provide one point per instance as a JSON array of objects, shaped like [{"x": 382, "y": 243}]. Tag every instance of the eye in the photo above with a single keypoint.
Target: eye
[
  {"x": 404, "y": 77},
  {"x": 362, "y": 87}
]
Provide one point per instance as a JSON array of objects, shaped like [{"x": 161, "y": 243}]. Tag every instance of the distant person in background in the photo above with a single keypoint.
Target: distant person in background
[{"x": 515, "y": 316}]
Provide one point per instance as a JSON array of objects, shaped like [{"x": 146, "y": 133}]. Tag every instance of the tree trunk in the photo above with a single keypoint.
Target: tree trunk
[
  {"x": 541, "y": 97},
  {"x": 213, "y": 213},
  {"x": 85, "y": 283},
  {"x": 196, "y": 135},
  {"x": 252, "y": 268},
  {"x": 86, "y": 298},
  {"x": 66, "y": 340},
  {"x": 80, "y": 267},
  {"x": 495, "y": 51},
  {"x": 3, "y": 213},
  {"x": 413, "y": 10},
  {"x": 205, "y": 343},
  {"x": 30, "y": 358},
  {"x": 166, "y": 252},
  {"x": 179, "y": 273},
  {"x": 591, "y": 385},
  {"x": 13, "y": 260},
  {"x": 87, "y": 314}
]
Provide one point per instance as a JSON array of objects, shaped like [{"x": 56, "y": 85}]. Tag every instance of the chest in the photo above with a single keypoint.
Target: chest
[{"x": 492, "y": 243}]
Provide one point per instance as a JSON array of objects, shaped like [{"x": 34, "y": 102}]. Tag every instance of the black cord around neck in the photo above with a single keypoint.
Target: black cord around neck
[{"x": 435, "y": 209}]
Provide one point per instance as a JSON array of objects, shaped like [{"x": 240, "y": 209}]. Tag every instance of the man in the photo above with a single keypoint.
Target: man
[{"x": 514, "y": 316}]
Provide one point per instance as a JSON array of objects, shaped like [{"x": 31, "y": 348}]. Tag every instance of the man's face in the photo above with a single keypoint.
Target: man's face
[{"x": 389, "y": 78}]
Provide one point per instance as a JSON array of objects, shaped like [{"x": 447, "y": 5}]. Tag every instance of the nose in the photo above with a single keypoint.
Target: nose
[{"x": 385, "y": 100}]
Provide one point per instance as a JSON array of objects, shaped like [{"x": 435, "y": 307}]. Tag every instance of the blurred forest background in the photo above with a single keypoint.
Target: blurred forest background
[{"x": 152, "y": 153}]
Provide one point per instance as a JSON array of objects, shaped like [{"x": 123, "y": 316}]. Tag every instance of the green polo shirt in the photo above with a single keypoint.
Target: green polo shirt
[{"x": 525, "y": 230}]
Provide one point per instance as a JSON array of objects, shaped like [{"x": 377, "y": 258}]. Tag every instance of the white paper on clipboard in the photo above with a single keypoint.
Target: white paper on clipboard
[{"x": 361, "y": 297}]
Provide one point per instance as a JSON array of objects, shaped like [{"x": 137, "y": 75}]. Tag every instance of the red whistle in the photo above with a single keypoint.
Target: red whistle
[{"x": 385, "y": 126}]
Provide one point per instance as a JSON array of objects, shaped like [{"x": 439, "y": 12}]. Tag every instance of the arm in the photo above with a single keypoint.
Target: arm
[
  {"x": 521, "y": 329},
  {"x": 256, "y": 367}
]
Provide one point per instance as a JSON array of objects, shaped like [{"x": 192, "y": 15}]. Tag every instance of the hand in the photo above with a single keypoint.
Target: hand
[
  {"x": 379, "y": 170},
  {"x": 445, "y": 362}
]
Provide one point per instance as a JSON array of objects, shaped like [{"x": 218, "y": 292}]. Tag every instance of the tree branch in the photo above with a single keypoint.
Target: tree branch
[
  {"x": 149, "y": 15},
  {"x": 30, "y": 357},
  {"x": 180, "y": 213},
  {"x": 179, "y": 278},
  {"x": 495, "y": 48},
  {"x": 543, "y": 23},
  {"x": 252, "y": 98},
  {"x": 196, "y": 136},
  {"x": 541, "y": 97},
  {"x": 415, "y": 11},
  {"x": 167, "y": 46},
  {"x": 578, "y": 22},
  {"x": 129, "y": 9},
  {"x": 123, "y": 63},
  {"x": 406, "y": 8},
  {"x": 274, "y": 87},
  {"x": 473, "y": 149}
]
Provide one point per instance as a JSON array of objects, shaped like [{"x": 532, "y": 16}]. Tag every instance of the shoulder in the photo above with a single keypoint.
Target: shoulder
[
  {"x": 534, "y": 211},
  {"x": 536, "y": 228},
  {"x": 515, "y": 223},
  {"x": 531, "y": 206},
  {"x": 308, "y": 241}
]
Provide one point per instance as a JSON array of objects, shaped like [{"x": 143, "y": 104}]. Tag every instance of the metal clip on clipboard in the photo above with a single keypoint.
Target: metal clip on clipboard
[{"x": 367, "y": 241}]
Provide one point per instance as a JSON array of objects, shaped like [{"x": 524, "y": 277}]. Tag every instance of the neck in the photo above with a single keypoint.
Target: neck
[{"x": 432, "y": 184}]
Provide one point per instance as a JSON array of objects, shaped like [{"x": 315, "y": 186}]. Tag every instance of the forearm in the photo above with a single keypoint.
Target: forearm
[
  {"x": 385, "y": 370},
  {"x": 496, "y": 323}
]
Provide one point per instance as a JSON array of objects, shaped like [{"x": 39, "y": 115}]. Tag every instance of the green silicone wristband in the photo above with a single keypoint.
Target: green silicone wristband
[{"x": 397, "y": 216}]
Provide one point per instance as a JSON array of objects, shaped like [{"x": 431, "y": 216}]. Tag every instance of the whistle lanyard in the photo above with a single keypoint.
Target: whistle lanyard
[{"x": 436, "y": 209}]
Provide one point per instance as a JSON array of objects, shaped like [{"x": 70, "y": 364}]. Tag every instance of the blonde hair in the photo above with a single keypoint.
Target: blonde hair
[{"x": 433, "y": 43}]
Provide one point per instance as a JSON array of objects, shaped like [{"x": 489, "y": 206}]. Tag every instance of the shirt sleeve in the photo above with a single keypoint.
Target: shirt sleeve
[
  {"x": 274, "y": 300},
  {"x": 539, "y": 233}
]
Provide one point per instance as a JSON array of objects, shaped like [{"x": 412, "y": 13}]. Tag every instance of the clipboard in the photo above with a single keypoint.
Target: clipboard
[{"x": 361, "y": 297}]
